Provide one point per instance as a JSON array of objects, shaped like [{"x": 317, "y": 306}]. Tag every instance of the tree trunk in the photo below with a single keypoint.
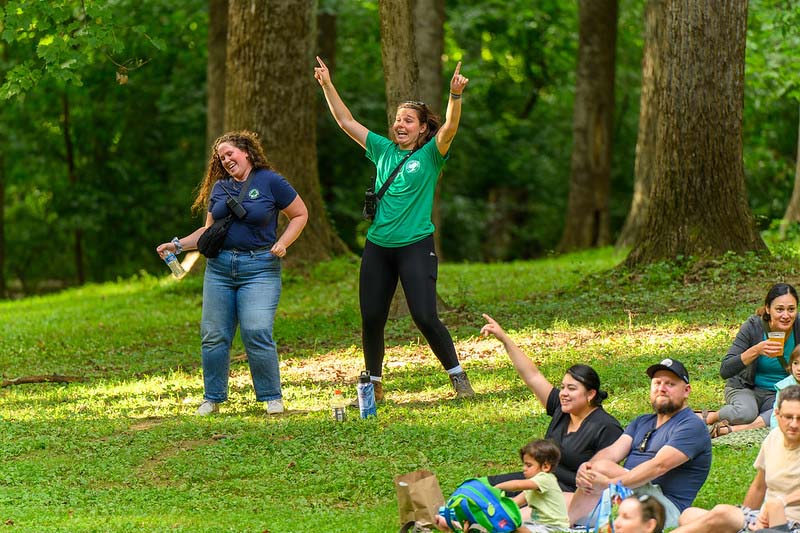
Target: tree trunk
[
  {"x": 72, "y": 176},
  {"x": 398, "y": 53},
  {"x": 793, "y": 209},
  {"x": 698, "y": 204},
  {"x": 593, "y": 121},
  {"x": 269, "y": 90},
  {"x": 326, "y": 49},
  {"x": 648, "y": 122},
  {"x": 429, "y": 17},
  {"x": 401, "y": 71},
  {"x": 215, "y": 69}
]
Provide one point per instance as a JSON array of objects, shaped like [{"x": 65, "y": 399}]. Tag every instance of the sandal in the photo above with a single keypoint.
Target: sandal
[
  {"x": 716, "y": 429},
  {"x": 703, "y": 415}
]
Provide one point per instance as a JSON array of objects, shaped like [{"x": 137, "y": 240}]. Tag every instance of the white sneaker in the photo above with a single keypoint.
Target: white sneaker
[
  {"x": 207, "y": 408},
  {"x": 275, "y": 407}
]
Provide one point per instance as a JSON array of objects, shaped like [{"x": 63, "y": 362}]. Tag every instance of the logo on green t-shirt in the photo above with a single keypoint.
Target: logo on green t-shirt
[{"x": 412, "y": 166}]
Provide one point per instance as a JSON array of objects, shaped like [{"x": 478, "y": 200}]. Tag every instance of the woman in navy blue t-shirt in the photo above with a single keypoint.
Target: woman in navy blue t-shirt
[{"x": 242, "y": 285}]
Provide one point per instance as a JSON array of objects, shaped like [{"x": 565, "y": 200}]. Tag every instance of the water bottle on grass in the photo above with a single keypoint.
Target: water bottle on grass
[
  {"x": 366, "y": 396},
  {"x": 339, "y": 406}
]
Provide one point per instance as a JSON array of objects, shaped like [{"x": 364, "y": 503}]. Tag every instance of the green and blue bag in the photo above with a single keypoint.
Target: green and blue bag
[{"x": 477, "y": 502}]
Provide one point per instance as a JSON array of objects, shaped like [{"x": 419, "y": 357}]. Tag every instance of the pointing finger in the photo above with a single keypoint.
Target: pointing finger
[
  {"x": 321, "y": 63},
  {"x": 458, "y": 69}
]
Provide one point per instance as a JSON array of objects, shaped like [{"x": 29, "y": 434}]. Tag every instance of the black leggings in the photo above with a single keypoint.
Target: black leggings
[{"x": 416, "y": 266}]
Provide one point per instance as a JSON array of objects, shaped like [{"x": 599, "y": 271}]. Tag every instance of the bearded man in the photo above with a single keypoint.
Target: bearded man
[{"x": 667, "y": 454}]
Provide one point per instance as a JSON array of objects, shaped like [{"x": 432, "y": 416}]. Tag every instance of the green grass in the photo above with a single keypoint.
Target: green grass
[{"x": 121, "y": 451}]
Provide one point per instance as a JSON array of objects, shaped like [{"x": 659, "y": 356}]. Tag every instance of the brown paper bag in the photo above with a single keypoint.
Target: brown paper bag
[{"x": 418, "y": 497}]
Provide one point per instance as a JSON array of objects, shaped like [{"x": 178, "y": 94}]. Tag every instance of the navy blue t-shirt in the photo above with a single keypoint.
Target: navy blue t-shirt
[
  {"x": 269, "y": 194},
  {"x": 684, "y": 432}
]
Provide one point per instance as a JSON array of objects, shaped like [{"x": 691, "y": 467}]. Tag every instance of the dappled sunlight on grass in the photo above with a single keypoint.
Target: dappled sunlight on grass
[{"x": 123, "y": 449}]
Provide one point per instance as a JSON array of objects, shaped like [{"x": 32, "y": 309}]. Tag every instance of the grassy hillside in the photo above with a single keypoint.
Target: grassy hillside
[{"x": 121, "y": 450}]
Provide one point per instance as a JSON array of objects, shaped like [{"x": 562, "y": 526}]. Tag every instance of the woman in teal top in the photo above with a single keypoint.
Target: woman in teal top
[
  {"x": 400, "y": 240},
  {"x": 756, "y": 362}
]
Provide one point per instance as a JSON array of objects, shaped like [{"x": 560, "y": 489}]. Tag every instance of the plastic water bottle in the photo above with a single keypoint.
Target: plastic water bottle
[
  {"x": 172, "y": 262},
  {"x": 339, "y": 406},
  {"x": 366, "y": 396}
]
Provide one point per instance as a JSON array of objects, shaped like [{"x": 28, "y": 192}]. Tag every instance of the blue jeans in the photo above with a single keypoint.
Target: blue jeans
[{"x": 240, "y": 287}]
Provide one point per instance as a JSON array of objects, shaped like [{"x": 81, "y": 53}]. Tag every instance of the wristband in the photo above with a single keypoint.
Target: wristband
[
  {"x": 178, "y": 246},
  {"x": 455, "y": 96}
]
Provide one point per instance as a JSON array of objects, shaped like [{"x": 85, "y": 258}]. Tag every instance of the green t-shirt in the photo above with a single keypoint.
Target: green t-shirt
[
  {"x": 404, "y": 212},
  {"x": 547, "y": 504}
]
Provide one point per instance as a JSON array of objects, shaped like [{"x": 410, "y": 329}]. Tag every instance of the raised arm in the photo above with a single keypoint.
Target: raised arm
[
  {"x": 340, "y": 113},
  {"x": 446, "y": 134},
  {"x": 526, "y": 368}
]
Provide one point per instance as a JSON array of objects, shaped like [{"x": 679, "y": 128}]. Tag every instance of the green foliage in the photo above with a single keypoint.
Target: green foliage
[
  {"x": 138, "y": 148},
  {"x": 122, "y": 451},
  {"x": 772, "y": 100}
]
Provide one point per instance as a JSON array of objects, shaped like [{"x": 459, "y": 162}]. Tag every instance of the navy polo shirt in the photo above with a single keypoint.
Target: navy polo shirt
[{"x": 268, "y": 194}]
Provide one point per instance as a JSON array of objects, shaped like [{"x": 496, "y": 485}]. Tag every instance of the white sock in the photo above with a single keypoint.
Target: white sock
[{"x": 455, "y": 370}]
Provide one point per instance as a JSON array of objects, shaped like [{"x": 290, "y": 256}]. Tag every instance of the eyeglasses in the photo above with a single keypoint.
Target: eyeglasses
[
  {"x": 416, "y": 103},
  {"x": 643, "y": 445},
  {"x": 790, "y": 418}
]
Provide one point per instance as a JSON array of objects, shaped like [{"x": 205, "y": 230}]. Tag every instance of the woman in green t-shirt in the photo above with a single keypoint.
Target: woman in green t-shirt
[{"x": 400, "y": 240}]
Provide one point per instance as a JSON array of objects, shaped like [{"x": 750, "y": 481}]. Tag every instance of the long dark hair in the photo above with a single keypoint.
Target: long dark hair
[
  {"x": 588, "y": 377},
  {"x": 779, "y": 289},
  {"x": 426, "y": 116}
]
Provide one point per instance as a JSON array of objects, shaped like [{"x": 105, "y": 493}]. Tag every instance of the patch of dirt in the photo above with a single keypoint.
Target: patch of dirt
[
  {"x": 147, "y": 423},
  {"x": 152, "y": 468}
]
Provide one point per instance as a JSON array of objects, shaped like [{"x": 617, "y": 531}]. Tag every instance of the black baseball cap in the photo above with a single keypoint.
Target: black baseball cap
[{"x": 673, "y": 365}]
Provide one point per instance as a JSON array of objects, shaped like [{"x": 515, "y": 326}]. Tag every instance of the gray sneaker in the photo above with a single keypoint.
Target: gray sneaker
[
  {"x": 207, "y": 408},
  {"x": 275, "y": 407},
  {"x": 461, "y": 385}
]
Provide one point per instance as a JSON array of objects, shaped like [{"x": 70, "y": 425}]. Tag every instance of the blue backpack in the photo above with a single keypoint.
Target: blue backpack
[{"x": 477, "y": 502}]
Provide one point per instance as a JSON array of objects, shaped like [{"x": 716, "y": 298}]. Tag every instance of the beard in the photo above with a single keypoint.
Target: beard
[{"x": 667, "y": 408}]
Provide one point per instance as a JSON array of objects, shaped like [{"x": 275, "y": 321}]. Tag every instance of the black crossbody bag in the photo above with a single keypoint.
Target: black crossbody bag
[
  {"x": 210, "y": 242},
  {"x": 371, "y": 198}
]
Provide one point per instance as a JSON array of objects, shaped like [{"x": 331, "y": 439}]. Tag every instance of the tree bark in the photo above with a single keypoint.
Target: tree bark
[
  {"x": 269, "y": 89},
  {"x": 793, "y": 209},
  {"x": 698, "y": 201},
  {"x": 587, "y": 222},
  {"x": 429, "y": 17},
  {"x": 326, "y": 49},
  {"x": 648, "y": 122},
  {"x": 398, "y": 53},
  {"x": 401, "y": 71},
  {"x": 215, "y": 69}
]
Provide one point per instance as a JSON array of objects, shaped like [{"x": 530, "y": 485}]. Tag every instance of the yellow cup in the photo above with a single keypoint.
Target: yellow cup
[{"x": 777, "y": 336}]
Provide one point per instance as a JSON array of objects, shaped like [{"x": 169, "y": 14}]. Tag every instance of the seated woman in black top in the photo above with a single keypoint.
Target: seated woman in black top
[{"x": 579, "y": 425}]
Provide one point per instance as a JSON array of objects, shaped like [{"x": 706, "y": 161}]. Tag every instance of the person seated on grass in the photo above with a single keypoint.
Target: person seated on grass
[
  {"x": 640, "y": 514},
  {"x": 755, "y": 363},
  {"x": 667, "y": 454},
  {"x": 773, "y": 499},
  {"x": 579, "y": 424},
  {"x": 793, "y": 379},
  {"x": 540, "y": 490}
]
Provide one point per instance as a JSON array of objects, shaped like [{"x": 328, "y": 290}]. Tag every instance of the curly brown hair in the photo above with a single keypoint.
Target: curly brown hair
[{"x": 244, "y": 140}]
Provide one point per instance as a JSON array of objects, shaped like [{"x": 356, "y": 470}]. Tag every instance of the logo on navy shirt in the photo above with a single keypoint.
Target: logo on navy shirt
[{"x": 253, "y": 194}]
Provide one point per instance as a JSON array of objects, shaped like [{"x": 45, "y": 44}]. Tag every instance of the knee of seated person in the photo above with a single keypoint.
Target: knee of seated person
[
  {"x": 690, "y": 515},
  {"x": 743, "y": 416}
]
